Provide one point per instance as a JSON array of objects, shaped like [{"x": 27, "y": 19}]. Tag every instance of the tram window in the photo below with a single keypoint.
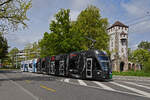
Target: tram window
[
  {"x": 30, "y": 65},
  {"x": 103, "y": 58},
  {"x": 96, "y": 65},
  {"x": 43, "y": 65},
  {"x": 74, "y": 62},
  {"x": 105, "y": 65},
  {"x": 25, "y": 65},
  {"x": 21, "y": 66},
  {"x": 89, "y": 73}
]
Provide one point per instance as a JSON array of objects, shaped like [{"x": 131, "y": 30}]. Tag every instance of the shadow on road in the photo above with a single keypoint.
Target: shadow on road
[{"x": 14, "y": 76}]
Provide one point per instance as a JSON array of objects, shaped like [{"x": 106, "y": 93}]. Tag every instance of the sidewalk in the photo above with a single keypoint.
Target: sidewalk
[{"x": 131, "y": 77}]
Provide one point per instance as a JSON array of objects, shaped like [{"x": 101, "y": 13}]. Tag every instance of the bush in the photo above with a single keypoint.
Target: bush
[
  {"x": 147, "y": 66},
  {"x": 132, "y": 73}
]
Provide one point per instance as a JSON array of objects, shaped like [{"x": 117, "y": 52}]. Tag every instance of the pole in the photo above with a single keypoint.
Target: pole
[{"x": 16, "y": 60}]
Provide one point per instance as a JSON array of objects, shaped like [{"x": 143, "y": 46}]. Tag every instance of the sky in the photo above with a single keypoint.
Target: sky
[{"x": 134, "y": 13}]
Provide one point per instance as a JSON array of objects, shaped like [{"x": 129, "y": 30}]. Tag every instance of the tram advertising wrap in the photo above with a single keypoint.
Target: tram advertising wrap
[{"x": 91, "y": 64}]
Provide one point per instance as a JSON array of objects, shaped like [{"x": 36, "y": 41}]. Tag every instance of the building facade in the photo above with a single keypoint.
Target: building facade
[{"x": 118, "y": 46}]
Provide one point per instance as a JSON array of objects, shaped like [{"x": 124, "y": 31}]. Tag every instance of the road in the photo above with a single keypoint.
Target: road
[{"x": 16, "y": 85}]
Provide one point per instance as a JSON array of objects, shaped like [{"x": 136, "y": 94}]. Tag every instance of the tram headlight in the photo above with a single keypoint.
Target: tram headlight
[{"x": 99, "y": 72}]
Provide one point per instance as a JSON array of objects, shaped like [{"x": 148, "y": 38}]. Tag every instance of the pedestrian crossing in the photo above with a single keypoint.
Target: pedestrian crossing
[
  {"x": 104, "y": 86},
  {"x": 116, "y": 86},
  {"x": 133, "y": 87},
  {"x": 81, "y": 82}
]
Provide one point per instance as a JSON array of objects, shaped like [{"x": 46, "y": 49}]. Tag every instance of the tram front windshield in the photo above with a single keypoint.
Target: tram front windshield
[{"x": 104, "y": 61}]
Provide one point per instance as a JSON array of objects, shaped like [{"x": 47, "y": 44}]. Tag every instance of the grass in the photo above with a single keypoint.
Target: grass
[
  {"x": 8, "y": 68},
  {"x": 132, "y": 73}
]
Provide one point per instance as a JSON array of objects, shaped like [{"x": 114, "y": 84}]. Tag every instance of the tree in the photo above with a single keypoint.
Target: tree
[
  {"x": 31, "y": 50},
  {"x": 67, "y": 36},
  {"x": 90, "y": 24},
  {"x": 144, "y": 45},
  {"x": 3, "y": 47},
  {"x": 140, "y": 56},
  {"x": 147, "y": 66},
  {"x": 12, "y": 54},
  {"x": 13, "y": 14},
  {"x": 60, "y": 31},
  {"x": 58, "y": 40}
]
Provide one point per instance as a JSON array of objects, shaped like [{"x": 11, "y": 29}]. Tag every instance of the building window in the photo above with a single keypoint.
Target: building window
[
  {"x": 123, "y": 42},
  {"x": 111, "y": 44}
]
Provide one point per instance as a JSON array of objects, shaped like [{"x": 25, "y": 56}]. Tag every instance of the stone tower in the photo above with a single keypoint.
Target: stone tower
[{"x": 118, "y": 46}]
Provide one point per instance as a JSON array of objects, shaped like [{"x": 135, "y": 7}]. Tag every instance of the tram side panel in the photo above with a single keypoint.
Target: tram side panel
[
  {"x": 48, "y": 60},
  {"x": 39, "y": 66},
  {"x": 58, "y": 65},
  {"x": 86, "y": 64},
  {"x": 63, "y": 65},
  {"x": 76, "y": 65},
  {"x": 29, "y": 62},
  {"x": 34, "y": 65},
  {"x": 52, "y": 66}
]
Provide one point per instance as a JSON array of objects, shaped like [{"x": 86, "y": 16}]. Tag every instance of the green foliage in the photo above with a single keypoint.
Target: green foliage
[
  {"x": 67, "y": 36},
  {"x": 13, "y": 14},
  {"x": 12, "y": 55},
  {"x": 140, "y": 56},
  {"x": 147, "y": 66},
  {"x": 90, "y": 24},
  {"x": 132, "y": 73},
  {"x": 3, "y": 47},
  {"x": 60, "y": 40},
  {"x": 31, "y": 50},
  {"x": 144, "y": 45}
]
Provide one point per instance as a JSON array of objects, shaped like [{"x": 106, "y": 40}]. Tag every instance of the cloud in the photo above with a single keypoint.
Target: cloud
[
  {"x": 20, "y": 40},
  {"x": 141, "y": 26},
  {"x": 74, "y": 14},
  {"x": 80, "y": 4},
  {"x": 42, "y": 12},
  {"x": 136, "y": 7},
  {"x": 138, "y": 20}
]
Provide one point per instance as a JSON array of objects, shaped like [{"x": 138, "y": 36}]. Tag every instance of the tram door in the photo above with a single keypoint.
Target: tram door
[
  {"x": 61, "y": 67},
  {"x": 52, "y": 68},
  {"x": 89, "y": 62}
]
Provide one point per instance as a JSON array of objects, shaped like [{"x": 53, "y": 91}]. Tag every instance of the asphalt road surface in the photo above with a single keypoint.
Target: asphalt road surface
[{"x": 16, "y": 85}]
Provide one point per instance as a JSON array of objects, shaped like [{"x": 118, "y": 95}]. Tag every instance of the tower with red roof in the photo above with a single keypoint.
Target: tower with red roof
[{"x": 118, "y": 46}]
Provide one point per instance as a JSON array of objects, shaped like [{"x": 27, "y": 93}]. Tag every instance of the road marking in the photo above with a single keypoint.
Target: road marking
[
  {"x": 143, "y": 84},
  {"x": 138, "y": 85},
  {"x": 132, "y": 89},
  {"x": 81, "y": 82},
  {"x": 50, "y": 89},
  {"x": 132, "y": 79},
  {"x": 22, "y": 88},
  {"x": 104, "y": 86},
  {"x": 62, "y": 80},
  {"x": 28, "y": 81},
  {"x": 66, "y": 80}
]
